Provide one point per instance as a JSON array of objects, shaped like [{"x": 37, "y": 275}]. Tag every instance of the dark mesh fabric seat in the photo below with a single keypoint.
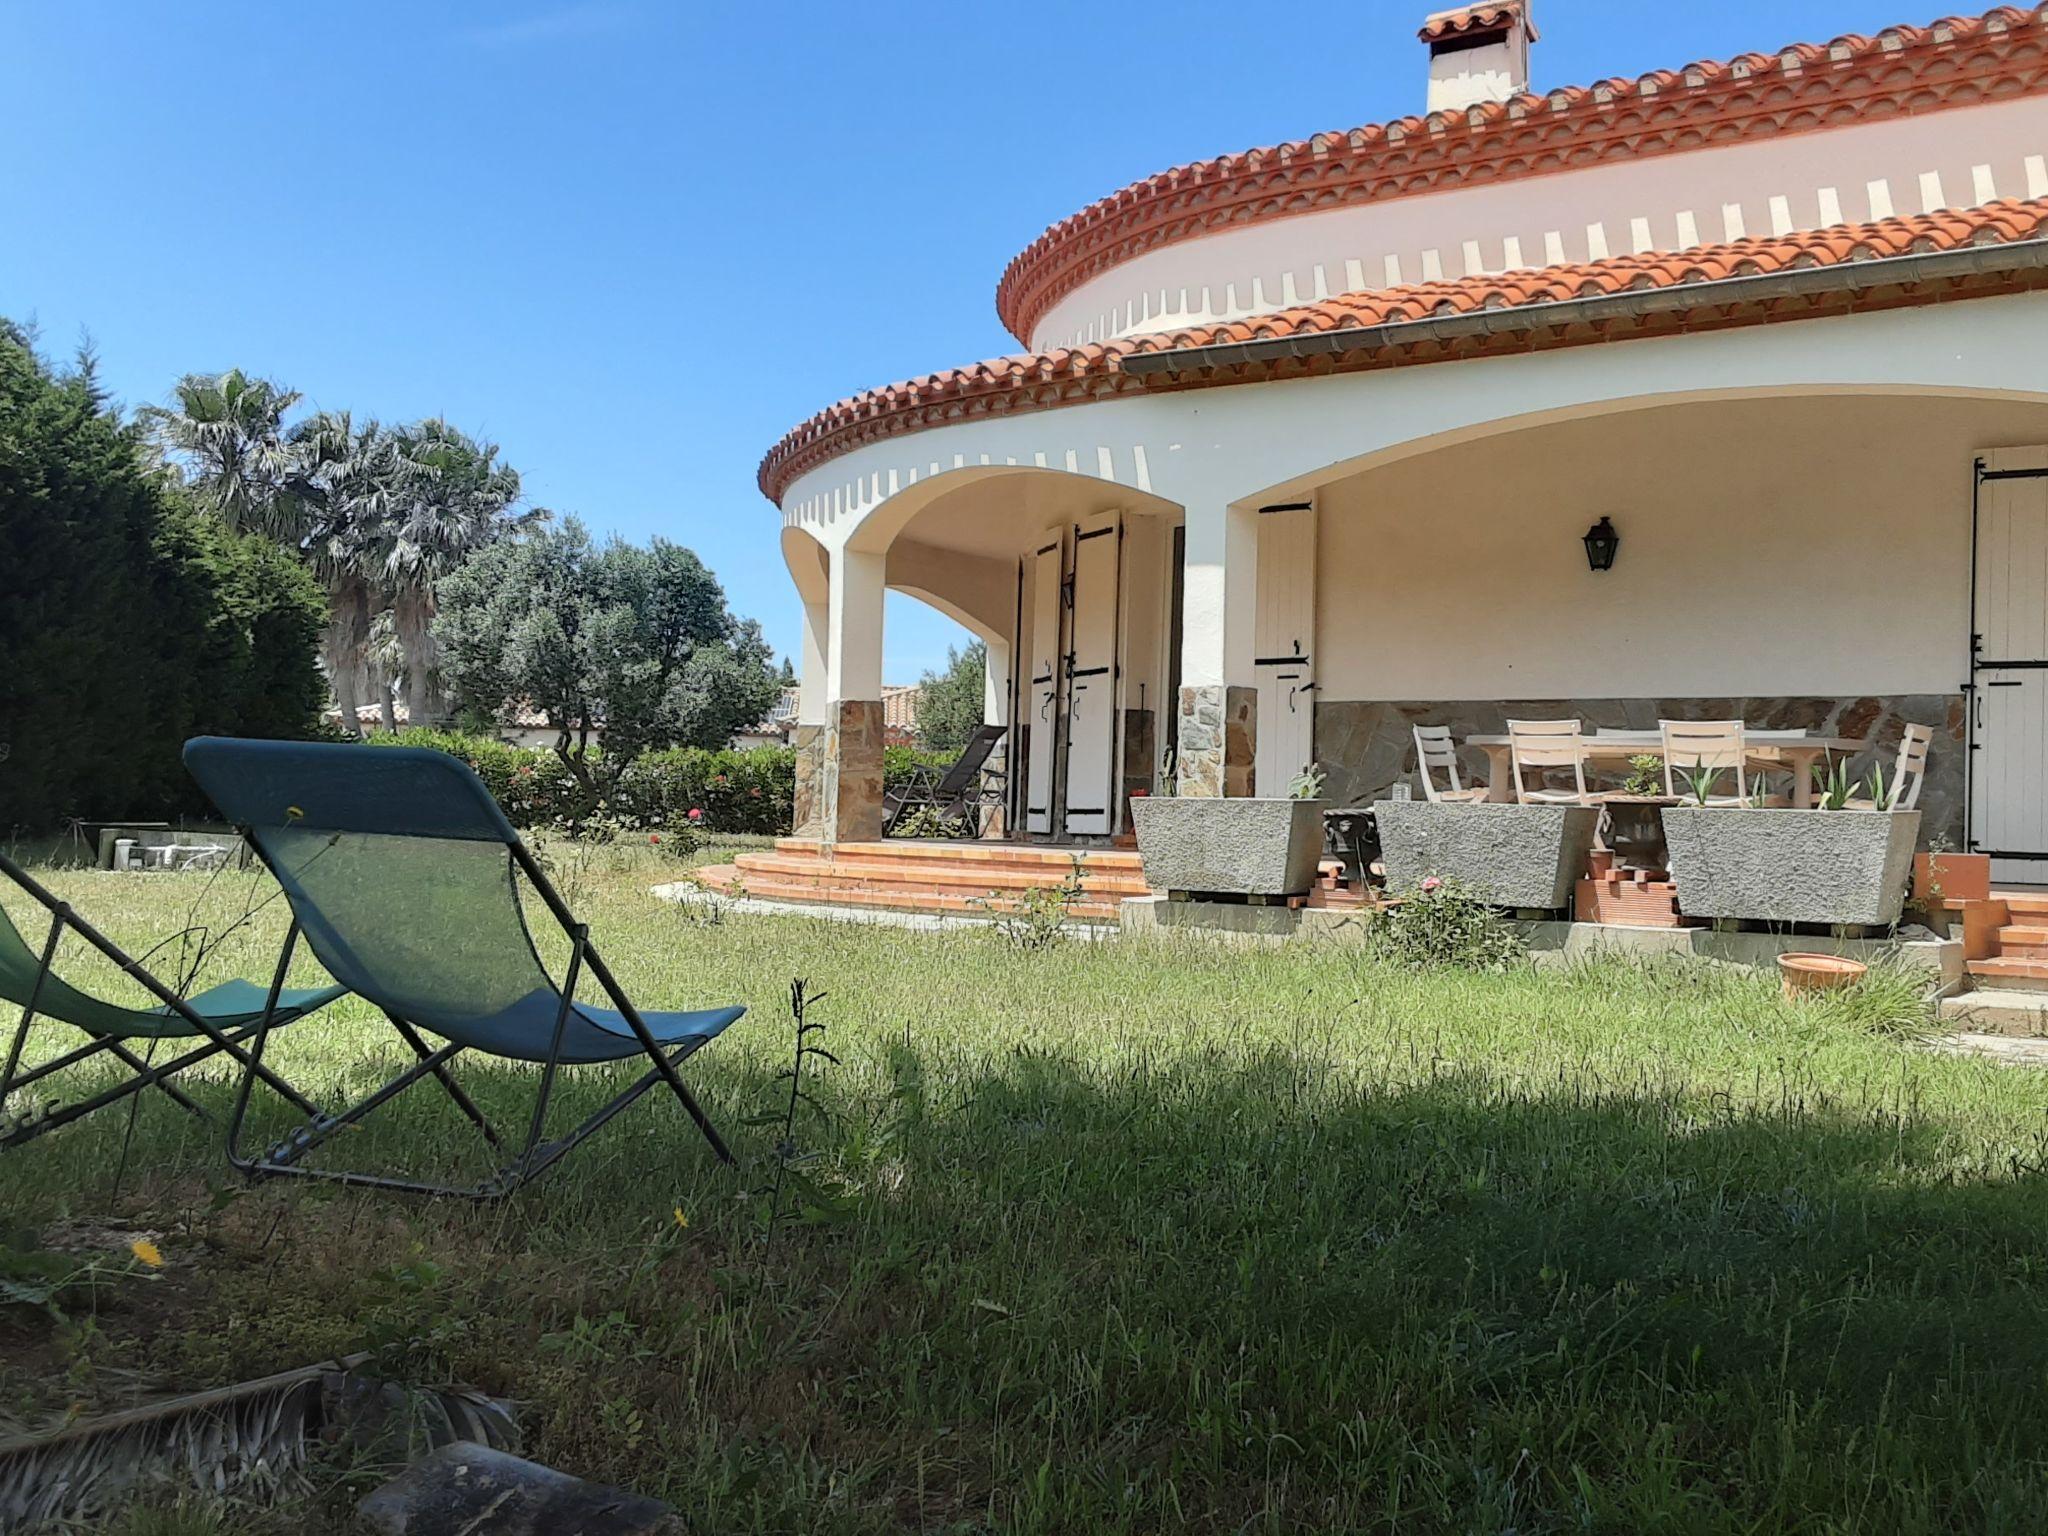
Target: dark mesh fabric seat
[
  {"x": 398, "y": 864},
  {"x": 405, "y": 878}
]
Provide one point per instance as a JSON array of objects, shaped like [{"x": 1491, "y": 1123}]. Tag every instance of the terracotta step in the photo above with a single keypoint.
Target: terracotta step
[
  {"x": 970, "y": 878},
  {"x": 716, "y": 877},
  {"x": 1000, "y": 864},
  {"x": 2027, "y": 975},
  {"x": 2023, "y": 942},
  {"x": 2021, "y": 905},
  {"x": 906, "y": 900},
  {"x": 1015, "y": 855},
  {"x": 1626, "y": 902}
]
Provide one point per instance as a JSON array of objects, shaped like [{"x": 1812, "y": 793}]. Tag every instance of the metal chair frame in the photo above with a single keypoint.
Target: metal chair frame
[
  {"x": 145, "y": 1075},
  {"x": 961, "y": 788},
  {"x": 535, "y": 1157}
]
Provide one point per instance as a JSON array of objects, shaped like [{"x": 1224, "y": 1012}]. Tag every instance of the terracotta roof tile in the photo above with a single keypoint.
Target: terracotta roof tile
[
  {"x": 1465, "y": 20},
  {"x": 900, "y": 705},
  {"x": 1077, "y": 375},
  {"x": 1805, "y": 87}
]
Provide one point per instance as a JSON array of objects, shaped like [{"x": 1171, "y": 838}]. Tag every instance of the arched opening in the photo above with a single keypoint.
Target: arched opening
[
  {"x": 1798, "y": 559},
  {"x": 1068, "y": 579}
]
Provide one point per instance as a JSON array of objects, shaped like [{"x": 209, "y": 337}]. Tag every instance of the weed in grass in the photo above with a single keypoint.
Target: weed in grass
[
  {"x": 812, "y": 1197},
  {"x": 1037, "y": 919}
]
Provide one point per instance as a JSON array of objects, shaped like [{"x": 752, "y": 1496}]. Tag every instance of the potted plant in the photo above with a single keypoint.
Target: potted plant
[
  {"x": 1257, "y": 847},
  {"x": 1840, "y": 865},
  {"x": 1527, "y": 857},
  {"x": 1635, "y": 821}
]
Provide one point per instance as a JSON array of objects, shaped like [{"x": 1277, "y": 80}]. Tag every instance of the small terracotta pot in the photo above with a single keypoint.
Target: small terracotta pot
[{"x": 1803, "y": 974}]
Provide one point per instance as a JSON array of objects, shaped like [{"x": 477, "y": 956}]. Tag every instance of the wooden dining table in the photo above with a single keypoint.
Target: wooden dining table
[{"x": 1796, "y": 751}]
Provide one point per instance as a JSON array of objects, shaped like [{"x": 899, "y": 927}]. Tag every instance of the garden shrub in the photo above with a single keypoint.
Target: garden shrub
[
  {"x": 738, "y": 791},
  {"x": 748, "y": 792},
  {"x": 899, "y": 763},
  {"x": 1445, "y": 924}
]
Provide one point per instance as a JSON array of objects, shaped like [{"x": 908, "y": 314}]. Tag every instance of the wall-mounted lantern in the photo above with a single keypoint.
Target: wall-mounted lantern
[{"x": 1601, "y": 543}]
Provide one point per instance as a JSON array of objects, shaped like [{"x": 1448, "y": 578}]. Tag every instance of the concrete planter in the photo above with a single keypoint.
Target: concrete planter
[
  {"x": 1840, "y": 868},
  {"x": 1523, "y": 856},
  {"x": 1224, "y": 847}
]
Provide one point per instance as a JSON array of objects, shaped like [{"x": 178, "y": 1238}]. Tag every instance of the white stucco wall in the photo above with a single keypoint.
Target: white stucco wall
[
  {"x": 1217, "y": 453},
  {"x": 1957, "y": 158},
  {"x": 1827, "y": 542},
  {"x": 1210, "y": 448}
]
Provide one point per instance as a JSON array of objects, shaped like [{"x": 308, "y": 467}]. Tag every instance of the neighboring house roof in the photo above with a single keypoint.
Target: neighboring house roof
[
  {"x": 1468, "y": 20},
  {"x": 899, "y": 706},
  {"x": 1957, "y": 62},
  {"x": 1079, "y": 375},
  {"x": 368, "y": 714}
]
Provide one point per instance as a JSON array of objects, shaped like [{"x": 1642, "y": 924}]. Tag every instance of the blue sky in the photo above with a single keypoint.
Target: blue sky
[{"x": 634, "y": 241}]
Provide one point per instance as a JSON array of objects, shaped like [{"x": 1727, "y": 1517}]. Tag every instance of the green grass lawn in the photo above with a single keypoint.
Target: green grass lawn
[{"x": 1142, "y": 1237}]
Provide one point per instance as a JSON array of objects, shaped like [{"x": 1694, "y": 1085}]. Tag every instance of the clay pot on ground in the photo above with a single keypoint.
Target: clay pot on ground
[{"x": 1804, "y": 975}]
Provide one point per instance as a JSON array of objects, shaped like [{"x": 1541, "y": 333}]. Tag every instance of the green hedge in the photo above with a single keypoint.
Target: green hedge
[
  {"x": 750, "y": 791},
  {"x": 129, "y": 620}
]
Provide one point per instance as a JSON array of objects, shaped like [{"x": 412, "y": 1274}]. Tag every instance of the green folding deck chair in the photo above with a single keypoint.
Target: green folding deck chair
[
  {"x": 219, "y": 1019},
  {"x": 404, "y": 877}
]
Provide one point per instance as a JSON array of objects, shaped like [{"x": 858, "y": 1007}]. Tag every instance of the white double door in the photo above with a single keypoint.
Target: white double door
[
  {"x": 2009, "y": 667},
  {"x": 1075, "y": 573}
]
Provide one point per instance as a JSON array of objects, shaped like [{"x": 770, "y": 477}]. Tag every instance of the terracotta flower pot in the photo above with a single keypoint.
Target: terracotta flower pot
[{"x": 1818, "y": 973}]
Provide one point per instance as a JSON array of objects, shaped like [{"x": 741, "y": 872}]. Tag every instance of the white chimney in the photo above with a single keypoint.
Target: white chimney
[{"x": 1478, "y": 53}]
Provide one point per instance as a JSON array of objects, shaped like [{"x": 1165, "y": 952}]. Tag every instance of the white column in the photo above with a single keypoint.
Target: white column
[
  {"x": 848, "y": 778},
  {"x": 1219, "y": 585},
  {"x": 853, "y": 655},
  {"x": 995, "y": 703},
  {"x": 812, "y": 683},
  {"x": 1219, "y": 589}
]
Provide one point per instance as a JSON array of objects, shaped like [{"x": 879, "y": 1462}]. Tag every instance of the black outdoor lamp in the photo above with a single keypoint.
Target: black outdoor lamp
[{"x": 1601, "y": 543}]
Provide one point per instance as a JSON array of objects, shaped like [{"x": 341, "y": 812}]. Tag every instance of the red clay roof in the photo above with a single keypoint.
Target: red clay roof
[
  {"x": 1077, "y": 375},
  {"x": 1957, "y": 62},
  {"x": 1467, "y": 20}
]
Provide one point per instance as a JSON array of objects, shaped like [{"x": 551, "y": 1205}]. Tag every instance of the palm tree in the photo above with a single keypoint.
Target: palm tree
[
  {"x": 313, "y": 489},
  {"x": 385, "y": 658},
  {"x": 340, "y": 488},
  {"x": 227, "y": 434},
  {"x": 452, "y": 497}
]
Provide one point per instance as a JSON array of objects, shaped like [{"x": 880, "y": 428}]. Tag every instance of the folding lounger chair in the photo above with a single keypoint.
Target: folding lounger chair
[
  {"x": 402, "y": 874},
  {"x": 956, "y": 795},
  {"x": 219, "y": 1019}
]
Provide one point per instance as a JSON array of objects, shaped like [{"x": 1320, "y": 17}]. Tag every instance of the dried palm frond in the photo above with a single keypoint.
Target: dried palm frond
[{"x": 253, "y": 1440}]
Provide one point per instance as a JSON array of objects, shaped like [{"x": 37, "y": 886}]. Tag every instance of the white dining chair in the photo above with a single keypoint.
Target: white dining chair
[
  {"x": 1909, "y": 773},
  {"x": 1715, "y": 748},
  {"x": 1546, "y": 745},
  {"x": 1436, "y": 753}
]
